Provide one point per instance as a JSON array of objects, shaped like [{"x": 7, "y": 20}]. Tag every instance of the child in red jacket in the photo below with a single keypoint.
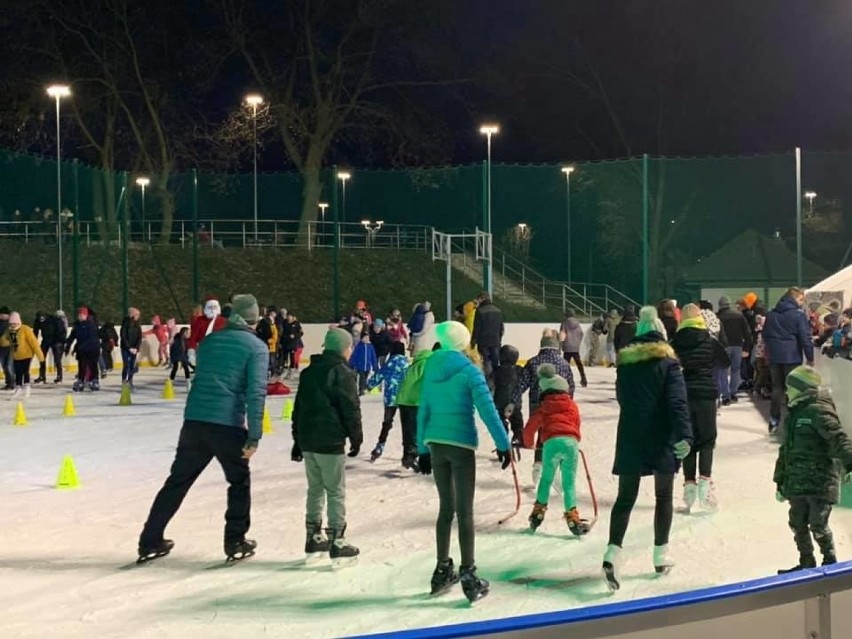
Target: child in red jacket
[{"x": 558, "y": 420}]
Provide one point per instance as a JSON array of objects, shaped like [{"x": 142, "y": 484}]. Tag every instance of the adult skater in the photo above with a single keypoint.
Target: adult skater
[
  {"x": 202, "y": 325},
  {"x": 25, "y": 346},
  {"x": 626, "y": 329},
  {"x": 700, "y": 355},
  {"x": 52, "y": 330},
  {"x": 739, "y": 337},
  {"x": 571, "y": 334},
  {"x": 229, "y": 392},
  {"x": 6, "y": 349},
  {"x": 654, "y": 432},
  {"x": 421, "y": 327},
  {"x": 488, "y": 329},
  {"x": 86, "y": 344},
  {"x": 327, "y": 412},
  {"x": 611, "y": 323},
  {"x": 446, "y": 440},
  {"x": 131, "y": 342}
]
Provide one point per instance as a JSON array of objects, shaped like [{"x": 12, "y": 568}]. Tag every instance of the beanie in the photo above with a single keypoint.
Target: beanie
[
  {"x": 378, "y": 323},
  {"x": 724, "y": 302},
  {"x": 800, "y": 380},
  {"x": 133, "y": 312},
  {"x": 453, "y": 336},
  {"x": 244, "y": 308},
  {"x": 14, "y": 318},
  {"x": 750, "y": 299},
  {"x": 649, "y": 322},
  {"x": 549, "y": 380},
  {"x": 337, "y": 340},
  {"x": 549, "y": 339}
]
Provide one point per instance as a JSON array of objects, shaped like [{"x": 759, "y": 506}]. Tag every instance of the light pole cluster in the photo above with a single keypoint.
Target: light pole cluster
[
  {"x": 57, "y": 92},
  {"x": 254, "y": 100},
  {"x": 372, "y": 229}
]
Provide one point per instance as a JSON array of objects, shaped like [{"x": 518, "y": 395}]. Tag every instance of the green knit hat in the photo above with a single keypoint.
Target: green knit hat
[
  {"x": 800, "y": 380},
  {"x": 337, "y": 340}
]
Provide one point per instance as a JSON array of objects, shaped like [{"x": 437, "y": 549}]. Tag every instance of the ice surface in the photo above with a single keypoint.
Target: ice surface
[{"x": 62, "y": 550}]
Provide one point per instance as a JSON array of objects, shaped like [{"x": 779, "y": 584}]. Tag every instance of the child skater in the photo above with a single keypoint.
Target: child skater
[
  {"x": 505, "y": 380},
  {"x": 408, "y": 400},
  {"x": 364, "y": 361},
  {"x": 558, "y": 420},
  {"x": 179, "y": 355},
  {"x": 806, "y": 473},
  {"x": 392, "y": 374}
]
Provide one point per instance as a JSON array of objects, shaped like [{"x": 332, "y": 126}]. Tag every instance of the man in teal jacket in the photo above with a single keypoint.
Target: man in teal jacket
[{"x": 229, "y": 391}]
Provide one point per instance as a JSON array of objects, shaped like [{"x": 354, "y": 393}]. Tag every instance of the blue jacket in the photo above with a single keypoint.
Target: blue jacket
[
  {"x": 452, "y": 387},
  {"x": 363, "y": 358},
  {"x": 787, "y": 334},
  {"x": 391, "y": 374}
]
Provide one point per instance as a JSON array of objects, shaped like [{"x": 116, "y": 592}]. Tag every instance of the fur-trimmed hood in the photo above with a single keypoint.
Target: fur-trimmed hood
[{"x": 644, "y": 348}]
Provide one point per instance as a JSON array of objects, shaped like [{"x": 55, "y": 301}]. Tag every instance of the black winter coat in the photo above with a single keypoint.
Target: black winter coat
[
  {"x": 291, "y": 337},
  {"x": 131, "y": 334},
  {"x": 700, "y": 353},
  {"x": 505, "y": 379},
  {"x": 488, "y": 326},
  {"x": 381, "y": 342},
  {"x": 624, "y": 333},
  {"x": 108, "y": 337},
  {"x": 737, "y": 330},
  {"x": 654, "y": 412},
  {"x": 327, "y": 408},
  {"x": 85, "y": 334},
  {"x": 52, "y": 331}
]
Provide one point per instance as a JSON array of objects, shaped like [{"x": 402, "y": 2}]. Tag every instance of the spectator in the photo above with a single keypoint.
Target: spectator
[
  {"x": 571, "y": 334},
  {"x": 611, "y": 323},
  {"x": 626, "y": 329},
  {"x": 666, "y": 311},
  {"x": 131, "y": 342},
  {"x": 488, "y": 329},
  {"x": 739, "y": 337}
]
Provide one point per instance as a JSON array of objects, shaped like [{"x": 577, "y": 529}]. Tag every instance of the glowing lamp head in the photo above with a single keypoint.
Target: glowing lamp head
[
  {"x": 567, "y": 170},
  {"x": 344, "y": 175},
  {"x": 59, "y": 91},
  {"x": 810, "y": 195},
  {"x": 254, "y": 99},
  {"x": 323, "y": 206},
  {"x": 489, "y": 129},
  {"x": 142, "y": 181},
  {"x": 522, "y": 226}
]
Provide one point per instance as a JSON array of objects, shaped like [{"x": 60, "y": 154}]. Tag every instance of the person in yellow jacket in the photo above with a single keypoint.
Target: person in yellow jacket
[
  {"x": 469, "y": 311},
  {"x": 24, "y": 346}
]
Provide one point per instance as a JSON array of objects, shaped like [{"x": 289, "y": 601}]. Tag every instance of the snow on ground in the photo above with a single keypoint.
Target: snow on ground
[{"x": 60, "y": 571}]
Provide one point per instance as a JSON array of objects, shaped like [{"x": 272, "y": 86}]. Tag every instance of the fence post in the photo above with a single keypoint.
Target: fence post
[
  {"x": 563, "y": 298},
  {"x": 244, "y": 233},
  {"x": 125, "y": 242},
  {"x": 182, "y": 235},
  {"x": 544, "y": 293},
  {"x": 523, "y": 279},
  {"x": 309, "y": 237},
  {"x": 585, "y": 300},
  {"x": 335, "y": 251},
  {"x": 88, "y": 238},
  {"x": 606, "y": 299},
  {"x": 212, "y": 237},
  {"x": 275, "y": 234}
]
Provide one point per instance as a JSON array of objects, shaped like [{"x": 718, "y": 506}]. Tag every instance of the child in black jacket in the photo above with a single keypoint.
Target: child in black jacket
[{"x": 505, "y": 379}]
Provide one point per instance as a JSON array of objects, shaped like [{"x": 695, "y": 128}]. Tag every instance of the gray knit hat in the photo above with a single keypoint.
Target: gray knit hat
[
  {"x": 337, "y": 340},
  {"x": 245, "y": 307},
  {"x": 549, "y": 380},
  {"x": 724, "y": 302}
]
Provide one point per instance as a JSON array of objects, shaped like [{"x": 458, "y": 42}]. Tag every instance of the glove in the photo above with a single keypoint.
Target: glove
[
  {"x": 779, "y": 497},
  {"x": 296, "y": 453},
  {"x": 354, "y": 449},
  {"x": 508, "y": 410},
  {"x": 681, "y": 449},
  {"x": 424, "y": 463},
  {"x": 505, "y": 458}
]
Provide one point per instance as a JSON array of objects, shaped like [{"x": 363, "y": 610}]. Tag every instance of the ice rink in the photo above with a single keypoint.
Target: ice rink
[{"x": 61, "y": 569}]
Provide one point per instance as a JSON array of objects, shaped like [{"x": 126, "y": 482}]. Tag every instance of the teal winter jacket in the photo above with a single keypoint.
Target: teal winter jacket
[{"x": 452, "y": 387}]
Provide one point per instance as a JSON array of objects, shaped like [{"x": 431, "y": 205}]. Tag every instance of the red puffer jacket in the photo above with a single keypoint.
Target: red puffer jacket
[{"x": 557, "y": 416}]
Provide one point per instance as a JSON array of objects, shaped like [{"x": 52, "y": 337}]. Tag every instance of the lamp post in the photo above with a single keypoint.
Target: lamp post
[
  {"x": 568, "y": 170},
  {"x": 343, "y": 176},
  {"x": 57, "y": 92},
  {"x": 143, "y": 183},
  {"x": 489, "y": 130},
  {"x": 322, "y": 207},
  {"x": 254, "y": 100},
  {"x": 810, "y": 196},
  {"x": 372, "y": 229}
]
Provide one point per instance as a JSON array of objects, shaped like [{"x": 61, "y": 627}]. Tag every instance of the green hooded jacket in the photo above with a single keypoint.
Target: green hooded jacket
[{"x": 412, "y": 383}]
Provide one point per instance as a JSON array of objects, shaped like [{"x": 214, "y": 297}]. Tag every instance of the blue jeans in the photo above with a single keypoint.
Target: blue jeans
[
  {"x": 733, "y": 383},
  {"x": 128, "y": 365}
]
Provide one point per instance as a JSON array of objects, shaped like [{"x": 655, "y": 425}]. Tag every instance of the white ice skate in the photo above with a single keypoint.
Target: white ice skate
[
  {"x": 16, "y": 393},
  {"x": 690, "y": 495},
  {"x": 662, "y": 563},
  {"x": 26, "y": 390},
  {"x": 707, "y": 494},
  {"x": 611, "y": 567}
]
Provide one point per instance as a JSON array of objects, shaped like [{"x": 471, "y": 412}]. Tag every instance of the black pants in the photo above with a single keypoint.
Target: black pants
[
  {"x": 809, "y": 516},
  {"x": 362, "y": 382},
  {"x": 198, "y": 444},
  {"x": 454, "y": 469},
  {"x": 107, "y": 357},
  {"x": 490, "y": 359},
  {"x": 56, "y": 349},
  {"x": 628, "y": 490},
  {"x": 6, "y": 364},
  {"x": 87, "y": 366},
  {"x": 515, "y": 423},
  {"x": 575, "y": 357},
  {"x": 408, "y": 417},
  {"x": 22, "y": 371},
  {"x": 387, "y": 423},
  {"x": 702, "y": 413},
  {"x": 779, "y": 373},
  {"x": 289, "y": 360},
  {"x": 175, "y": 367}
]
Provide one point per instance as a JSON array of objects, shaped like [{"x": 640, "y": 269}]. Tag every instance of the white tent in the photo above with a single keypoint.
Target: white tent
[{"x": 835, "y": 291}]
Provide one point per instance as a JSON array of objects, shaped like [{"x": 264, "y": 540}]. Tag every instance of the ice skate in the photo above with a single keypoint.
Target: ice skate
[
  {"x": 707, "y": 494},
  {"x": 537, "y": 515},
  {"x": 444, "y": 578},
  {"x": 316, "y": 545},
  {"x": 150, "y": 553},
  {"x": 342, "y": 554},
  {"x": 409, "y": 460},
  {"x": 610, "y": 567},
  {"x": 239, "y": 550},
  {"x": 662, "y": 563},
  {"x": 805, "y": 562},
  {"x": 474, "y": 588},
  {"x": 377, "y": 452},
  {"x": 27, "y": 390},
  {"x": 16, "y": 393},
  {"x": 40, "y": 380},
  {"x": 77, "y": 386},
  {"x": 57, "y": 379},
  {"x": 576, "y": 524},
  {"x": 94, "y": 385},
  {"x": 690, "y": 495}
]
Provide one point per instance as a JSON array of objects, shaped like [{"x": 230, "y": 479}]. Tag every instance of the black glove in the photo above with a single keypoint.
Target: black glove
[
  {"x": 354, "y": 449},
  {"x": 505, "y": 458},
  {"x": 296, "y": 453},
  {"x": 424, "y": 463}
]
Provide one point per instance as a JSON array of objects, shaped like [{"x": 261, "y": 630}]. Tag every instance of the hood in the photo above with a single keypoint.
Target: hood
[
  {"x": 420, "y": 356},
  {"x": 690, "y": 337},
  {"x": 509, "y": 355},
  {"x": 787, "y": 304},
  {"x": 554, "y": 402},
  {"x": 445, "y": 364},
  {"x": 648, "y": 347}
]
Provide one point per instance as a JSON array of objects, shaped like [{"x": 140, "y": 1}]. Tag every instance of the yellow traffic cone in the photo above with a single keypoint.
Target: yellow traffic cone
[
  {"x": 287, "y": 411},
  {"x": 169, "y": 390},
  {"x": 20, "y": 416},
  {"x": 68, "y": 410},
  {"x": 125, "y": 400},
  {"x": 67, "y": 475},
  {"x": 267, "y": 422}
]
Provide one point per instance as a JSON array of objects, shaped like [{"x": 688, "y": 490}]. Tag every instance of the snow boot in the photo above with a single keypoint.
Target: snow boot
[
  {"x": 707, "y": 494},
  {"x": 690, "y": 495},
  {"x": 341, "y": 553},
  {"x": 805, "y": 562},
  {"x": 474, "y": 588},
  {"x": 149, "y": 553},
  {"x": 537, "y": 515},
  {"x": 238, "y": 550},
  {"x": 610, "y": 567},
  {"x": 316, "y": 545},
  {"x": 662, "y": 563},
  {"x": 444, "y": 577},
  {"x": 576, "y": 524}
]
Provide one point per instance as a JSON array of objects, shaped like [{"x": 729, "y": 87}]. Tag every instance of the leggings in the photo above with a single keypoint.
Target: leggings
[
  {"x": 454, "y": 469},
  {"x": 22, "y": 371},
  {"x": 703, "y": 416},
  {"x": 628, "y": 490},
  {"x": 87, "y": 366},
  {"x": 175, "y": 367},
  {"x": 577, "y": 360}
]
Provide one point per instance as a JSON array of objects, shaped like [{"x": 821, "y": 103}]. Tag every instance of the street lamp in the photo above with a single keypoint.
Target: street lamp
[
  {"x": 372, "y": 229},
  {"x": 343, "y": 176},
  {"x": 568, "y": 170},
  {"x": 810, "y": 196},
  {"x": 143, "y": 182},
  {"x": 57, "y": 92},
  {"x": 254, "y": 100},
  {"x": 488, "y": 130},
  {"x": 322, "y": 206}
]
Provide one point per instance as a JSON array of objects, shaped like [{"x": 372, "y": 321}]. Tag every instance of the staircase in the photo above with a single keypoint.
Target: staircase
[{"x": 505, "y": 288}]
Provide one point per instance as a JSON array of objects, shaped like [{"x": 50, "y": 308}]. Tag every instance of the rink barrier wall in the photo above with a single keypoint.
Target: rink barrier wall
[{"x": 812, "y": 604}]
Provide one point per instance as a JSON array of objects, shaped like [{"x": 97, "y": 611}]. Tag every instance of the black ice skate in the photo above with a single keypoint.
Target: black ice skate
[
  {"x": 239, "y": 550},
  {"x": 409, "y": 461},
  {"x": 151, "y": 553},
  {"x": 537, "y": 515},
  {"x": 576, "y": 524},
  {"x": 444, "y": 578},
  {"x": 342, "y": 554},
  {"x": 377, "y": 452},
  {"x": 78, "y": 386},
  {"x": 474, "y": 588},
  {"x": 805, "y": 562},
  {"x": 94, "y": 385},
  {"x": 316, "y": 545}
]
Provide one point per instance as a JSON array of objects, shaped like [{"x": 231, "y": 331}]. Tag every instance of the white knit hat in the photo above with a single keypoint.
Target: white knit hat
[{"x": 453, "y": 336}]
